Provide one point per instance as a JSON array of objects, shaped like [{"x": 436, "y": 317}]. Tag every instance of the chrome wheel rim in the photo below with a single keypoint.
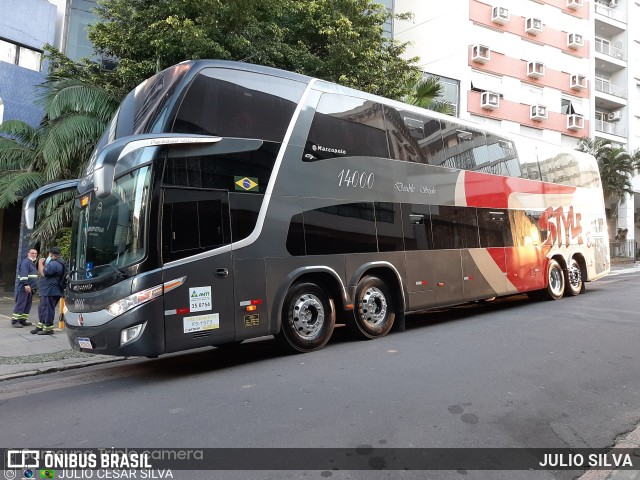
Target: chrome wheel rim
[
  {"x": 308, "y": 316},
  {"x": 374, "y": 306},
  {"x": 575, "y": 277},
  {"x": 555, "y": 281}
]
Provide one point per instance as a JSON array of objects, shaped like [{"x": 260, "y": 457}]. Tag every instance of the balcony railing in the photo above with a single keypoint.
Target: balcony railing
[
  {"x": 609, "y": 127},
  {"x": 607, "y": 11},
  {"x": 605, "y": 86},
  {"x": 611, "y": 51}
]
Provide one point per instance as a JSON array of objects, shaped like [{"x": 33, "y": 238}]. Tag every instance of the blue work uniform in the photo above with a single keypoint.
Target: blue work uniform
[
  {"x": 27, "y": 275},
  {"x": 50, "y": 293}
]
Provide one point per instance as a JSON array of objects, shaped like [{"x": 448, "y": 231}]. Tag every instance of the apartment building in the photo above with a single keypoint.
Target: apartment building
[
  {"x": 25, "y": 27},
  {"x": 556, "y": 70}
]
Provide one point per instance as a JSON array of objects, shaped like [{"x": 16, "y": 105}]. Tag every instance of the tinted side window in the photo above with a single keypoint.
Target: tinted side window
[
  {"x": 503, "y": 156},
  {"x": 193, "y": 221},
  {"x": 244, "y": 209},
  {"x": 525, "y": 229},
  {"x": 405, "y": 134},
  {"x": 241, "y": 172},
  {"x": 389, "y": 227},
  {"x": 344, "y": 228},
  {"x": 345, "y": 127},
  {"x": 417, "y": 227},
  {"x": 495, "y": 230},
  {"x": 559, "y": 167},
  {"x": 454, "y": 227},
  {"x": 233, "y": 103},
  {"x": 466, "y": 148}
]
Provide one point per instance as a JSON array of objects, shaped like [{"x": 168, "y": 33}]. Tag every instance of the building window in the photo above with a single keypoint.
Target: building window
[
  {"x": 451, "y": 91},
  {"x": 19, "y": 55},
  {"x": 571, "y": 106},
  {"x": 1, "y": 111}
]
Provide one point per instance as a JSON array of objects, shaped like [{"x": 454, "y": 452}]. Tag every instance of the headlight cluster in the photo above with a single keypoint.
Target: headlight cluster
[
  {"x": 129, "y": 334},
  {"x": 133, "y": 300}
]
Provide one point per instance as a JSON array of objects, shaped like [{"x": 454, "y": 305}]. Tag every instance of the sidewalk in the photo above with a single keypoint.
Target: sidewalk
[{"x": 23, "y": 354}]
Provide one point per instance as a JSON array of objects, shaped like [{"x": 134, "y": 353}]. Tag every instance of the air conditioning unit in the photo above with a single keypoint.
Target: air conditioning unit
[
  {"x": 500, "y": 15},
  {"x": 480, "y": 53},
  {"x": 615, "y": 116},
  {"x": 577, "y": 81},
  {"x": 489, "y": 100},
  {"x": 574, "y": 4},
  {"x": 535, "y": 69},
  {"x": 538, "y": 112},
  {"x": 575, "y": 40},
  {"x": 613, "y": 3},
  {"x": 575, "y": 122},
  {"x": 533, "y": 25}
]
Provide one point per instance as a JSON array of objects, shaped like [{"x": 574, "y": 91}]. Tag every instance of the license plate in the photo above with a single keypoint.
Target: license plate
[
  {"x": 85, "y": 343},
  {"x": 201, "y": 323}
]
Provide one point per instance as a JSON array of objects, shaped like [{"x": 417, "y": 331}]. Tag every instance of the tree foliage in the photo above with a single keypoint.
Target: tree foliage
[
  {"x": 337, "y": 40},
  {"x": 616, "y": 165},
  {"x": 425, "y": 94},
  {"x": 76, "y": 114}
]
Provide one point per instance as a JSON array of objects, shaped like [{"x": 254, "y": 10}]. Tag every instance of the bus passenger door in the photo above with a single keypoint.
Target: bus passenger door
[{"x": 199, "y": 312}]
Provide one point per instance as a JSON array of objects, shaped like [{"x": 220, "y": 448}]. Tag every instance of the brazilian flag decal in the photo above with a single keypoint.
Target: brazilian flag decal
[{"x": 248, "y": 184}]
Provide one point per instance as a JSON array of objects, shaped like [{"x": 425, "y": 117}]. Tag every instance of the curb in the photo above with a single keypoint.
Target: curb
[
  {"x": 630, "y": 441},
  {"x": 59, "y": 368}
]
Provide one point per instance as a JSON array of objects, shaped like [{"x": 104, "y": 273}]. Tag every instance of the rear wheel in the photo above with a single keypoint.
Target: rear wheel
[
  {"x": 374, "y": 309},
  {"x": 308, "y": 318},
  {"x": 555, "y": 281},
  {"x": 574, "y": 281}
]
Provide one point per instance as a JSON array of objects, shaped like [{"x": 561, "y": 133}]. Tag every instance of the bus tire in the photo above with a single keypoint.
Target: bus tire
[
  {"x": 574, "y": 282},
  {"x": 374, "y": 309},
  {"x": 308, "y": 318},
  {"x": 555, "y": 281}
]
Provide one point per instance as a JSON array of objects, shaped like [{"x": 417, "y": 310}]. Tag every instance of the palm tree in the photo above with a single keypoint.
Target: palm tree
[
  {"x": 21, "y": 161},
  {"x": 616, "y": 165},
  {"x": 76, "y": 114},
  {"x": 425, "y": 94}
]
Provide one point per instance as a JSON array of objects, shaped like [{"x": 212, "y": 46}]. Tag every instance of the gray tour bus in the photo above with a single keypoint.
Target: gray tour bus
[{"x": 228, "y": 201}]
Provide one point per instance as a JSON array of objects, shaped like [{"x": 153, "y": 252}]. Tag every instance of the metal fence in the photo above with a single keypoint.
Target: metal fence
[{"x": 624, "y": 250}]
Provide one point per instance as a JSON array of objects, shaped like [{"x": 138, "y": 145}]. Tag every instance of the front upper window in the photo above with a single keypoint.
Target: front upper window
[
  {"x": 110, "y": 233},
  {"x": 235, "y": 103}
]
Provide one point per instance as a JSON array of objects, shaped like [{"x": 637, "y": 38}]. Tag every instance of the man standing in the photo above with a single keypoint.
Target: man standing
[
  {"x": 52, "y": 271},
  {"x": 27, "y": 277}
]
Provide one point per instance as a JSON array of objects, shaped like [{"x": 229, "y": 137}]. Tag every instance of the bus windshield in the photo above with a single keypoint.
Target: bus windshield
[{"x": 109, "y": 233}]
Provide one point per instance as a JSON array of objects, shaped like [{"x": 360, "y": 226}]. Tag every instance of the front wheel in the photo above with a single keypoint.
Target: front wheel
[
  {"x": 308, "y": 318},
  {"x": 374, "y": 310},
  {"x": 555, "y": 281},
  {"x": 574, "y": 281}
]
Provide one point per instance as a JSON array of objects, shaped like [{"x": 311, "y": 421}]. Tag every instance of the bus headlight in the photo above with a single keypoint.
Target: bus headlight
[
  {"x": 133, "y": 300},
  {"x": 130, "y": 334}
]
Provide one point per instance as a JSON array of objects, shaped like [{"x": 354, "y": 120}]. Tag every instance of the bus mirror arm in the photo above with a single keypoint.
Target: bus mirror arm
[
  {"x": 30, "y": 203},
  {"x": 105, "y": 170},
  {"x": 105, "y": 165}
]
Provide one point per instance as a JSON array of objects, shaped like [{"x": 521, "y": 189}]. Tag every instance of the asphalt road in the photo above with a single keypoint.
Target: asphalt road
[{"x": 511, "y": 373}]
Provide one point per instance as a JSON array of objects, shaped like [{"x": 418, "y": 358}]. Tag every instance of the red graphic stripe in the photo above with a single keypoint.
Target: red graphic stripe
[{"x": 492, "y": 191}]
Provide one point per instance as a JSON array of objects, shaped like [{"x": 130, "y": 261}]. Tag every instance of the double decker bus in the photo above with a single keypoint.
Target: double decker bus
[{"x": 229, "y": 201}]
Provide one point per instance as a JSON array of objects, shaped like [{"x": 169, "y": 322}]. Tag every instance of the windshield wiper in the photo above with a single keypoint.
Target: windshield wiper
[{"x": 120, "y": 271}]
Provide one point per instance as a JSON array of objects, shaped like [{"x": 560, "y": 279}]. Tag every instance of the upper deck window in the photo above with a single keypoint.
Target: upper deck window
[
  {"x": 235, "y": 103},
  {"x": 346, "y": 127}
]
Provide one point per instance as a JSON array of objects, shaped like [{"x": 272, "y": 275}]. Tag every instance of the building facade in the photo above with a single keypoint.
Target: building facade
[
  {"x": 557, "y": 70},
  {"x": 25, "y": 27}
]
